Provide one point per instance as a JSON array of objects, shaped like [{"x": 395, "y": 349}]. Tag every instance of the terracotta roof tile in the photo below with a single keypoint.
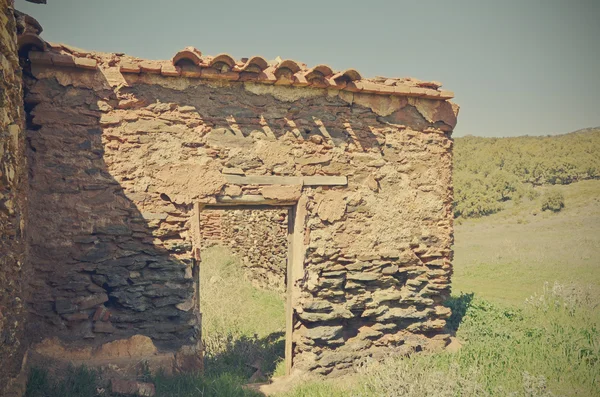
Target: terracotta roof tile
[
  {"x": 402, "y": 89},
  {"x": 353, "y": 87},
  {"x": 190, "y": 63},
  {"x": 289, "y": 64},
  {"x": 170, "y": 70},
  {"x": 150, "y": 66},
  {"x": 189, "y": 70},
  {"x": 300, "y": 80},
  {"x": 418, "y": 91},
  {"x": 346, "y": 76},
  {"x": 249, "y": 76},
  {"x": 190, "y": 54},
  {"x": 74, "y": 50},
  {"x": 63, "y": 60},
  {"x": 267, "y": 76},
  {"x": 215, "y": 74},
  {"x": 31, "y": 40},
  {"x": 40, "y": 58},
  {"x": 255, "y": 64},
  {"x": 223, "y": 59},
  {"x": 86, "y": 63},
  {"x": 367, "y": 86},
  {"x": 322, "y": 69},
  {"x": 339, "y": 85},
  {"x": 129, "y": 67},
  {"x": 31, "y": 24},
  {"x": 317, "y": 76},
  {"x": 445, "y": 94}
]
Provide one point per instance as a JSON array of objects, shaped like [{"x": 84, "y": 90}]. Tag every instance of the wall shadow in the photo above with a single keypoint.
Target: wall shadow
[
  {"x": 251, "y": 358},
  {"x": 460, "y": 306},
  {"x": 243, "y": 113},
  {"x": 109, "y": 261}
]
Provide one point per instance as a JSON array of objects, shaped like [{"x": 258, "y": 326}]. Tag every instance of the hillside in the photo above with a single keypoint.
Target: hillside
[{"x": 490, "y": 172}]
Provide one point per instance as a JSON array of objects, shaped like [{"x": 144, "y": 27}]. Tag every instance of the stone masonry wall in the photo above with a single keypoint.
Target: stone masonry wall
[
  {"x": 121, "y": 162},
  {"x": 12, "y": 202},
  {"x": 113, "y": 261},
  {"x": 259, "y": 238}
]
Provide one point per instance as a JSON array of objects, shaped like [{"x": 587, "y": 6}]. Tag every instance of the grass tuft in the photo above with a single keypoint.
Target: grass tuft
[{"x": 75, "y": 382}]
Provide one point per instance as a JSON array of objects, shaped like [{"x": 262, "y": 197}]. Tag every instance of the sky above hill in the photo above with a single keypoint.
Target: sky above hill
[{"x": 517, "y": 67}]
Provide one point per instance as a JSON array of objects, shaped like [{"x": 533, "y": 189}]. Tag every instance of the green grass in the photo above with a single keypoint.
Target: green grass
[
  {"x": 75, "y": 382},
  {"x": 225, "y": 384},
  {"x": 85, "y": 382},
  {"x": 229, "y": 302},
  {"x": 243, "y": 327},
  {"x": 507, "y": 256}
]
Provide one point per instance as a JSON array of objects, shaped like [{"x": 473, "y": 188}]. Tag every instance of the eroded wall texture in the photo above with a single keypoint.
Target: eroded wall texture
[
  {"x": 122, "y": 158},
  {"x": 13, "y": 180}
]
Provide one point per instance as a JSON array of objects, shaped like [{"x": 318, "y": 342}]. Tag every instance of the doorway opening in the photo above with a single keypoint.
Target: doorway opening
[{"x": 244, "y": 291}]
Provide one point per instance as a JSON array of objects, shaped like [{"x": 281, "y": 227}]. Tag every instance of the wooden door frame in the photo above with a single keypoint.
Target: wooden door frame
[{"x": 295, "y": 256}]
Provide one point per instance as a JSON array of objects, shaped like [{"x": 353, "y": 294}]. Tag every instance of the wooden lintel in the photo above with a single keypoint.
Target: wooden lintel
[
  {"x": 319, "y": 180},
  {"x": 251, "y": 199},
  {"x": 322, "y": 180}
]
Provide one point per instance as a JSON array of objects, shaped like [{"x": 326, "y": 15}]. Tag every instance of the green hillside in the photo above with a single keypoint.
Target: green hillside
[{"x": 490, "y": 172}]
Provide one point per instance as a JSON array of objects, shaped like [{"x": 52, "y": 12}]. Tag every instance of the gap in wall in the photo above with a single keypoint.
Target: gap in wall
[{"x": 243, "y": 272}]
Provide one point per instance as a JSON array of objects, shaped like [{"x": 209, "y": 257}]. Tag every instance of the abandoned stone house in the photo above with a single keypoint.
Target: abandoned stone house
[{"x": 114, "y": 171}]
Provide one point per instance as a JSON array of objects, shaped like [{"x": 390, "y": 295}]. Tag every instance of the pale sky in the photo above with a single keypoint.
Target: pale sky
[{"x": 517, "y": 67}]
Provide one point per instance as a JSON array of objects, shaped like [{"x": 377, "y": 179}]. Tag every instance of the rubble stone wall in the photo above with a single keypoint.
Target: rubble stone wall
[
  {"x": 13, "y": 181},
  {"x": 258, "y": 237},
  {"x": 121, "y": 164}
]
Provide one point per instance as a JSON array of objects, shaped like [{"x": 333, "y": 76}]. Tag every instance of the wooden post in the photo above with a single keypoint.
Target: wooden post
[{"x": 289, "y": 309}]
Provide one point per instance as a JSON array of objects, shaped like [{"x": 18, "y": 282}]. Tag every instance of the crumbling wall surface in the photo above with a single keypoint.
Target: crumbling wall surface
[
  {"x": 12, "y": 202},
  {"x": 258, "y": 237},
  {"x": 123, "y": 158}
]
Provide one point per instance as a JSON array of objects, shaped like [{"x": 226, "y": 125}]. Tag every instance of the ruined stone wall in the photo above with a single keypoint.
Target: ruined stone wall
[
  {"x": 259, "y": 238},
  {"x": 113, "y": 260},
  {"x": 121, "y": 163},
  {"x": 12, "y": 202}
]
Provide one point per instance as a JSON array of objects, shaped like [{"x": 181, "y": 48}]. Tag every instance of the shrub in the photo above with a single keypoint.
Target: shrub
[
  {"x": 553, "y": 200},
  {"x": 491, "y": 171}
]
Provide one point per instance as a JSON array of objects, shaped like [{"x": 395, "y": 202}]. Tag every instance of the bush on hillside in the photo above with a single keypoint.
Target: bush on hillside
[
  {"x": 553, "y": 201},
  {"x": 488, "y": 172}
]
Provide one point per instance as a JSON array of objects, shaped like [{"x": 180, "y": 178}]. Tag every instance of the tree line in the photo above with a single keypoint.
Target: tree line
[{"x": 491, "y": 171}]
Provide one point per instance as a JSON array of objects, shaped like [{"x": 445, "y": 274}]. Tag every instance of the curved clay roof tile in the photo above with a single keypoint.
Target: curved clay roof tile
[
  {"x": 323, "y": 69},
  {"x": 190, "y": 53},
  {"x": 352, "y": 74},
  {"x": 30, "y": 21},
  {"x": 225, "y": 58},
  {"x": 28, "y": 40},
  {"x": 257, "y": 61},
  {"x": 289, "y": 64}
]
